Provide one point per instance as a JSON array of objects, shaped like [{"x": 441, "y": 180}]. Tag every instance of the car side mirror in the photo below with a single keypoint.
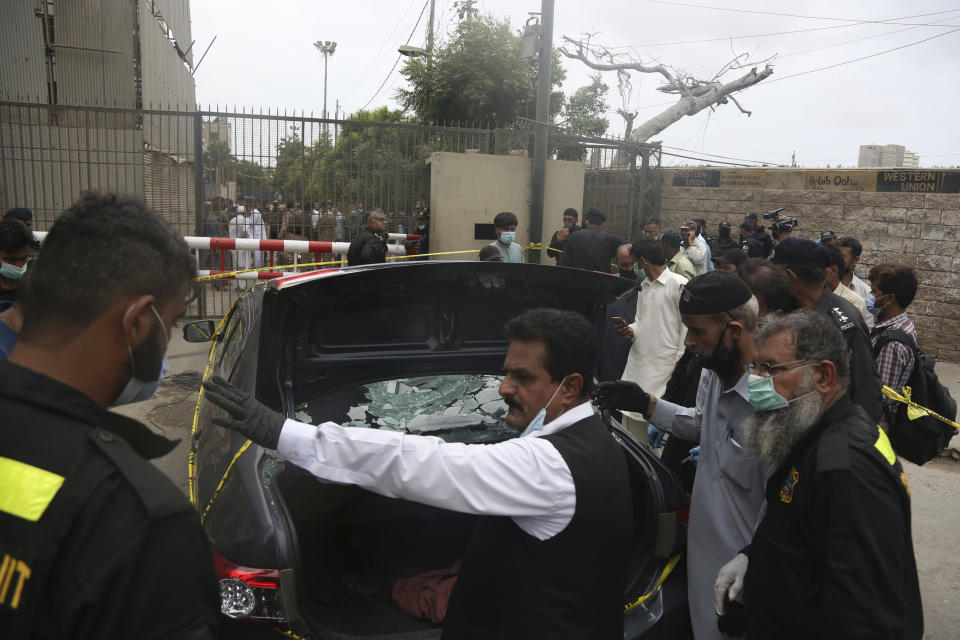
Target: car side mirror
[{"x": 199, "y": 331}]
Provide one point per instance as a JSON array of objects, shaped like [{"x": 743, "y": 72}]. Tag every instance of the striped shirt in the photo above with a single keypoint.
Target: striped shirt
[{"x": 895, "y": 360}]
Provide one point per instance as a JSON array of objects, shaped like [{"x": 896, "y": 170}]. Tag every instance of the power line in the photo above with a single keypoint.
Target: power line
[
  {"x": 794, "y": 15},
  {"x": 376, "y": 56},
  {"x": 832, "y": 66},
  {"x": 399, "y": 55},
  {"x": 714, "y": 155},
  {"x": 872, "y": 55},
  {"x": 708, "y": 161},
  {"x": 890, "y": 21},
  {"x": 837, "y": 44}
]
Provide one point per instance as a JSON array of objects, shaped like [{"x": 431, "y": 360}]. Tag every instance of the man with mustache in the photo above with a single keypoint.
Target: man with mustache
[
  {"x": 548, "y": 555},
  {"x": 720, "y": 315},
  {"x": 833, "y": 555}
]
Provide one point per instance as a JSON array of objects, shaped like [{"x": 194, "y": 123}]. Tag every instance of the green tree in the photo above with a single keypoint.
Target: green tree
[
  {"x": 477, "y": 75},
  {"x": 218, "y": 163},
  {"x": 583, "y": 116},
  {"x": 251, "y": 179}
]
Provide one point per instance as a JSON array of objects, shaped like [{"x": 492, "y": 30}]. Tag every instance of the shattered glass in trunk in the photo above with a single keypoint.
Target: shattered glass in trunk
[{"x": 457, "y": 408}]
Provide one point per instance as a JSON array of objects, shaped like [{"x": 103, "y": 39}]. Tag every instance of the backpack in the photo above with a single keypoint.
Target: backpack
[{"x": 922, "y": 439}]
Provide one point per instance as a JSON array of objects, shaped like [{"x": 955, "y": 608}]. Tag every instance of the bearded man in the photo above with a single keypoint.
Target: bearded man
[
  {"x": 833, "y": 555},
  {"x": 720, "y": 315}
]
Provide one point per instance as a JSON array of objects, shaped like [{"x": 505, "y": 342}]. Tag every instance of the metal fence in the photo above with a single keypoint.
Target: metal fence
[{"x": 194, "y": 166}]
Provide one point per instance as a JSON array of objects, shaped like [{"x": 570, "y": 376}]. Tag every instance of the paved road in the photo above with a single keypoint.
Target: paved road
[{"x": 935, "y": 486}]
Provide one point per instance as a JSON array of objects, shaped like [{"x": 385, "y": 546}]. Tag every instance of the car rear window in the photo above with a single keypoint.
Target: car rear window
[{"x": 457, "y": 408}]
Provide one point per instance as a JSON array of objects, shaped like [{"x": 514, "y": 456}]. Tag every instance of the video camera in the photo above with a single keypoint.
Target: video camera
[{"x": 781, "y": 225}]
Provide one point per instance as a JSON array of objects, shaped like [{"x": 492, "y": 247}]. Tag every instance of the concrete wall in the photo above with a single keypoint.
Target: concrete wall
[
  {"x": 471, "y": 188},
  {"x": 904, "y": 216}
]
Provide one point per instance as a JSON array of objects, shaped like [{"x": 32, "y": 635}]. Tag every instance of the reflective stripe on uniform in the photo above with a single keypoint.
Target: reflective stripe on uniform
[
  {"x": 884, "y": 447},
  {"x": 25, "y": 490}
]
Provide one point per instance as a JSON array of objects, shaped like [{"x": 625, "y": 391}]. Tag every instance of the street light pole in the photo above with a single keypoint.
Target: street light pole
[{"x": 327, "y": 48}]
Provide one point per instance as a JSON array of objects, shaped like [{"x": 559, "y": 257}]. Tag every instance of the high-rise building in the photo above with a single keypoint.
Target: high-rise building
[{"x": 887, "y": 155}]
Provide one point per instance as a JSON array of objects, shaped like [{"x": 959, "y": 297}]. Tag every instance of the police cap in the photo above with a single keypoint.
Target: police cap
[
  {"x": 800, "y": 251},
  {"x": 713, "y": 292}
]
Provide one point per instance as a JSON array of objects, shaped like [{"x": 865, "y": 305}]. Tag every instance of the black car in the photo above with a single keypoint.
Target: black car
[{"x": 416, "y": 347}]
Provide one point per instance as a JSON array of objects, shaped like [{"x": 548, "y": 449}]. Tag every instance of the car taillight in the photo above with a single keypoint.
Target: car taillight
[{"x": 248, "y": 593}]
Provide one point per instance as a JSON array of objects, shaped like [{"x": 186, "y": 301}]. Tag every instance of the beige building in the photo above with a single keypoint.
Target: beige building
[{"x": 886, "y": 156}]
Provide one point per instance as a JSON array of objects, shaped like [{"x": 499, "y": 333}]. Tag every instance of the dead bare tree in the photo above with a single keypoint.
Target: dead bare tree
[{"x": 696, "y": 94}]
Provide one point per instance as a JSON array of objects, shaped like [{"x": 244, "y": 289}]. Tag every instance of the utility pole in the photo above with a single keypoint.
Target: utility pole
[
  {"x": 541, "y": 128},
  {"x": 430, "y": 30}
]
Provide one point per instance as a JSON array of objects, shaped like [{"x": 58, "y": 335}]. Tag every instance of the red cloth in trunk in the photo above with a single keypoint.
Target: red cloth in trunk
[{"x": 426, "y": 595}]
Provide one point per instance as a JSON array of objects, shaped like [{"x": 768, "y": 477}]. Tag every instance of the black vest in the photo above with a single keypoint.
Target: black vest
[
  {"x": 513, "y": 585},
  {"x": 55, "y": 456}
]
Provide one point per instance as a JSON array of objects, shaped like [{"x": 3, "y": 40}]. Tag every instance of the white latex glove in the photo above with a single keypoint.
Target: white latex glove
[{"x": 729, "y": 582}]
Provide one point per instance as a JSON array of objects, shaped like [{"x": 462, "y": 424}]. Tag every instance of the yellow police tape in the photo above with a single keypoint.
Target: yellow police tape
[
  {"x": 280, "y": 267},
  {"x": 914, "y": 410},
  {"x": 667, "y": 570},
  {"x": 207, "y": 371}
]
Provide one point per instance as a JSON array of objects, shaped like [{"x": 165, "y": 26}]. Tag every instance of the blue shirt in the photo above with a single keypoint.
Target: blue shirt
[
  {"x": 7, "y": 337},
  {"x": 728, "y": 492}
]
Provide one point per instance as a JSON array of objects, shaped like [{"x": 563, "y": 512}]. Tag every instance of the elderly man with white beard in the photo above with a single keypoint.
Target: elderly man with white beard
[{"x": 833, "y": 555}]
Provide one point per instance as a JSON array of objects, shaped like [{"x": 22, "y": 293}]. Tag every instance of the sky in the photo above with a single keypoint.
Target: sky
[{"x": 264, "y": 57}]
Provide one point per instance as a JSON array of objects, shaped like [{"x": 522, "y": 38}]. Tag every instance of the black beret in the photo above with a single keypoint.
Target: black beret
[
  {"x": 595, "y": 214},
  {"x": 801, "y": 251},
  {"x": 731, "y": 256},
  {"x": 19, "y": 213},
  {"x": 713, "y": 292}
]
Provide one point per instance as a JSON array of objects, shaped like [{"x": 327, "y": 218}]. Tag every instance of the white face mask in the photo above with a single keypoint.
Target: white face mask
[
  {"x": 537, "y": 423},
  {"x": 137, "y": 390}
]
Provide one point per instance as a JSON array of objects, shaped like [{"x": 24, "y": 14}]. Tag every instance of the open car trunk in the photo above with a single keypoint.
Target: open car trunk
[{"x": 353, "y": 544}]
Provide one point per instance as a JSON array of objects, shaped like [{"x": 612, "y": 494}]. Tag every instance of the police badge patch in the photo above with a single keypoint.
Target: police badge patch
[
  {"x": 843, "y": 321},
  {"x": 786, "y": 492}
]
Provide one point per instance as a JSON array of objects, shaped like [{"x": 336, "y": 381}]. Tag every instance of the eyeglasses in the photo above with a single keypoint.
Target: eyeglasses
[
  {"x": 379, "y": 219},
  {"x": 772, "y": 369}
]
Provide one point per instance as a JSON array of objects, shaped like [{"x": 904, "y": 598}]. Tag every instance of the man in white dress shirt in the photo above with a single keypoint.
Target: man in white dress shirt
[
  {"x": 851, "y": 249},
  {"x": 549, "y": 556},
  {"x": 258, "y": 231},
  {"x": 657, "y": 331},
  {"x": 239, "y": 227}
]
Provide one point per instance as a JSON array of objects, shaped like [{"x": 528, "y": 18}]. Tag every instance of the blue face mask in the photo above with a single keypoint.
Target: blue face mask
[
  {"x": 12, "y": 272},
  {"x": 506, "y": 237},
  {"x": 764, "y": 397},
  {"x": 872, "y": 307},
  {"x": 641, "y": 274},
  {"x": 421, "y": 227},
  {"x": 537, "y": 423}
]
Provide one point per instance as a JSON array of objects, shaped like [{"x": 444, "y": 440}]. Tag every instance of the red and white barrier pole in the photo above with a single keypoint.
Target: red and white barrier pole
[{"x": 288, "y": 246}]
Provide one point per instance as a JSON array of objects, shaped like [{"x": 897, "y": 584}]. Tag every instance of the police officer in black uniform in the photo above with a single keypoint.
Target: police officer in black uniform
[
  {"x": 591, "y": 248},
  {"x": 806, "y": 262},
  {"x": 94, "y": 541},
  {"x": 833, "y": 555}
]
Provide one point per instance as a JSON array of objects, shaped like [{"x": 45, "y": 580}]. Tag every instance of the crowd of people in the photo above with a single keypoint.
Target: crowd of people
[
  {"x": 322, "y": 221},
  {"x": 755, "y": 371}
]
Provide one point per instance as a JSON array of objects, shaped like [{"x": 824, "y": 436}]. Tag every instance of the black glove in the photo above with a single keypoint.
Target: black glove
[
  {"x": 245, "y": 413},
  {"x": 623, "y": 396}
]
